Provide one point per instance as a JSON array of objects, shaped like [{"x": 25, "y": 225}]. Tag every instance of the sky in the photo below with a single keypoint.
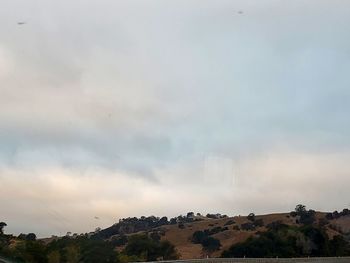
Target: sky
[{"x": 110, "y": 109}]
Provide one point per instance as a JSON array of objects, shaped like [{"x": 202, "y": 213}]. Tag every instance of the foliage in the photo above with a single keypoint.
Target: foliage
[
  {"x": 248, "y": 226},
  {"x": 305, "y": 217},
  {"x": 198, "y": 237},
  {"x": 88, "y": 249},
  {"x": 148, "y": 249},
  {"x": 229, "y": 222},
  {"x": 259, "y": 222},
  {"x": 132, "y": 225},
  {"x": 251, "y": 217},
  {"x": 336, "y": 214},
  {"x": 119, "y": 240},
  {"x": 215, "y": 216},
  {"x": 2, "y": 225},
  {"x": 208, "y": 243},
  {"x": 181, "y": 225},
  {"x": 211, "y": 244},
  {"x": 287, "y": 241}
]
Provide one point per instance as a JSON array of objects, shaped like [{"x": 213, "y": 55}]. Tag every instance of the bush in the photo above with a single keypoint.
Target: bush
[
  {"x": 329, "y": 216},
  {"x": 181, "y": 226},
  {"x": 119, "y": 241},
  {"x": 229, "y": 222},
  {"x": 236, "y": 228},
  {"x": 251, "y": 217},
  {"x": 259, "y": 222},
  {"x": 248, "y": 226},
  {"x": 306, "y": 217},
  {"x": 215, "y": 230},
  {"x": 198, "y": 237},
  {"x": 148, "y": 249},
  {"x": 211, "y": 244}
]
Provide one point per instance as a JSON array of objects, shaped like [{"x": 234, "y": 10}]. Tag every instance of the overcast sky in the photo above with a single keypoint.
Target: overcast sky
[{"x": 112, "y": 108}]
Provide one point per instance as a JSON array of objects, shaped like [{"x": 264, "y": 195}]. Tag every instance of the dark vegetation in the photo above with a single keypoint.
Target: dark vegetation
[
  {"x": 229, "y": 222},
  {"x": 216, "y": 216},
  {"x": 253, "y": 224},
  {"x": 86, "y": 248},
  {"x": 132, "y": 225},
  {"x": 142, "y": 247},
  {"x": 208, "y": 242},
  {"x": 280, "y": 240},
  {"x": 287, "y": 241},
  {"x": 303, "y": 216},
  {"x": 336, "y": 214}
]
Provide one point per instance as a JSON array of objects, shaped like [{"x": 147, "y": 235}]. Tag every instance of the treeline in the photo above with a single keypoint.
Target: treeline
[
  {"x": 289, "y": 241},
  {"x": 336, "y": 214},
  {"x": 133, "y": 224},
  {"x": 88, "y": 249}
]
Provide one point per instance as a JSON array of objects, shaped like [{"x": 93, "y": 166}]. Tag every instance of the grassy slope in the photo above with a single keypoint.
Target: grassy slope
[{"x": 181, "y": 238}]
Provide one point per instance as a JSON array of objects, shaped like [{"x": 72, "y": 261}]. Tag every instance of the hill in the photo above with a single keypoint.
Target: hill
[
  {"x": 300, "y": 233},
  {"x": 227, "y": 230}
]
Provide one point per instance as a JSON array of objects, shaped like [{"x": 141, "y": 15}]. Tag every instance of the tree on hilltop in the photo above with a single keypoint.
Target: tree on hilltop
[{"x": 2, "y": 225}]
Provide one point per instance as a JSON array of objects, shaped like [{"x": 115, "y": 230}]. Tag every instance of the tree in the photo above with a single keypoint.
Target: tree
[
  {"x": 198, "y": 237},
  {"x": 299, "y": 209},
  {"x": 148, "y": 249},
  {"x": 2, "y": 225},
  {"x": 248, "y": 226},
  {"x": 190, "y": 215},
  {"x": 251, "y": 217},
  {"x": 31, "y": 237},
  {"x": 54, "y": 257},
  {"x": 259, "y": 222},
  {"x": 211, "y": 244},
  {"x": 306, "y": 217},
  {"x": 92, "y": 251},
  {"x": 35, "y": 251},
  {"x": 168, "y": 251}
]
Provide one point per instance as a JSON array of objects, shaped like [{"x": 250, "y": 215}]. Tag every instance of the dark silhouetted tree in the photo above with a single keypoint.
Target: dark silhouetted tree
[
  {"x": 2, "y": 225},
  {"x": 251, "y": 217}
]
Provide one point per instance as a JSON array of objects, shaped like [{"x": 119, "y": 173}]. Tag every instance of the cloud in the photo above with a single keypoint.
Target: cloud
[
  {"x": 180, "y": 100},
  {"x": 69, "y": 199}
]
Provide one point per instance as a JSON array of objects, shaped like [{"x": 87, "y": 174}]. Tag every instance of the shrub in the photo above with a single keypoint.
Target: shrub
[
  {"x": 148, "y": 249},
  {"x": 211, "y": 244},
  {"x": 229, "y": 222},
  {"x": 236, "y": 228},
  {"x": 248, "y": 226},
  {"x": 198, "y": 237},
  {"x": 329, "y": 216},
  {"x": 259, "y": 222},
  {"x": 251, "y": 217}
]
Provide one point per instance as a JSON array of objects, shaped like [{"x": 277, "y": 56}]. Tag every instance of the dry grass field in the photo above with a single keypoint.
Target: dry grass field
[{"x": 181, "y": 237}]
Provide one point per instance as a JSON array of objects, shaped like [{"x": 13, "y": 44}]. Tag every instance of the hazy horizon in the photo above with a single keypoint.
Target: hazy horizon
[{"x": 112, "y": 109}]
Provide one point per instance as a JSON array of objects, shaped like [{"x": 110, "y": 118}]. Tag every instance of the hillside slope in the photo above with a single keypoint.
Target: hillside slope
[{"x": 230, "y": 230}]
